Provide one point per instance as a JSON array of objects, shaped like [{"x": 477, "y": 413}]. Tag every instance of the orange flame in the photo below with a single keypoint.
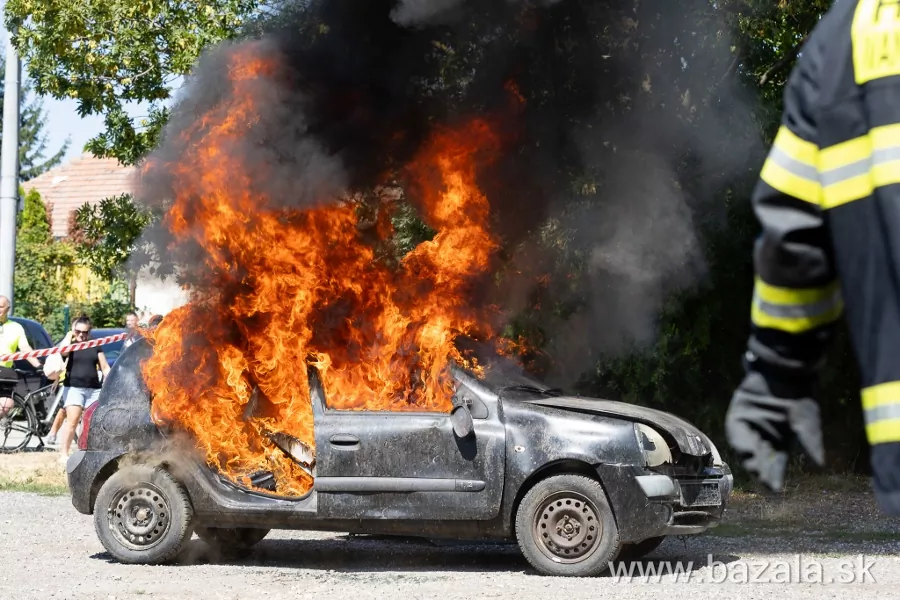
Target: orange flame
[{"x": 304, "y": 289}]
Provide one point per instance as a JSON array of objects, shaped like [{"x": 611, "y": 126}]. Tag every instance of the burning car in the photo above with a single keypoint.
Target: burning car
[
  {"x": 315, "y": 378},
  {"x": 574, "y": 481}
]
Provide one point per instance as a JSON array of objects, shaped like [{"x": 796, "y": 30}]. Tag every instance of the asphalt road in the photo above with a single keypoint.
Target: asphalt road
[{"x": 50, "y": 551}]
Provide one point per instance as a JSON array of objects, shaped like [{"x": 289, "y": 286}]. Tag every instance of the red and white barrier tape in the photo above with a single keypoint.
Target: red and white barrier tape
[{"x": 58, "y": 349}]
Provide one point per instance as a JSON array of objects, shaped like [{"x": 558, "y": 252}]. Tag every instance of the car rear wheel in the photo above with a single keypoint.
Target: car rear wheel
[
  {"x": 230, "y": 542},
  {"x": 640, "y": 549},
  {"x": 143, "y": 515},
  {"x": 565, "y": 527}
]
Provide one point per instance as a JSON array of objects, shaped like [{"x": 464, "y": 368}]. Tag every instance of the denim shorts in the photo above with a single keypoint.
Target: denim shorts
[{"x": 77, "y": 396}]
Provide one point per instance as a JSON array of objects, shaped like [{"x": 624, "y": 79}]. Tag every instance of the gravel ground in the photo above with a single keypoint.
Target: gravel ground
[{"x": 51, "y": 551}]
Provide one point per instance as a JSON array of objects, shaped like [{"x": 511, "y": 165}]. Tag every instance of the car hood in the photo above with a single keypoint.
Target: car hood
[{"x": 690, "y": 440}]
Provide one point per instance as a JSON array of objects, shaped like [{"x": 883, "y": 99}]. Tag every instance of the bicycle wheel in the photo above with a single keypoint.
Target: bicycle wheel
[{"x": 17, "y": 426}]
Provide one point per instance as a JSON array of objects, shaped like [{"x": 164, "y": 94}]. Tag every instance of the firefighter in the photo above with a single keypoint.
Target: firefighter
[{"x": 828, "y": 202}]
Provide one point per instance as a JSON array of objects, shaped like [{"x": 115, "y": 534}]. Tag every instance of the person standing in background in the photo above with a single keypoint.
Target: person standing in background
[
  {"x": 82, "y": 382},
  {"x": 12, "y": 339},
  {"x": 131, "y": 324}
]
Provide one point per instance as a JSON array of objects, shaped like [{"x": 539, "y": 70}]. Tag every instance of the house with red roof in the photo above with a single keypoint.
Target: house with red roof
[{"x": 89, "y": 179}]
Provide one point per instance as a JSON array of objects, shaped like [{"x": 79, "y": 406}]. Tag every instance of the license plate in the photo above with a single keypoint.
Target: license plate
[{"x": 700, "y": 494}]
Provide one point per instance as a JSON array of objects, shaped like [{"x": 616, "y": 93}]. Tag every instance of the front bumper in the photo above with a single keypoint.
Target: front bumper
[
  {"x": 651, "y": 504},
  {"x": 664, "y": 488},
  {"x": 697, "y": 502}
]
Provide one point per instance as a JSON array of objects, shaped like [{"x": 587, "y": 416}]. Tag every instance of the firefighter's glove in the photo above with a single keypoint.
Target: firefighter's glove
[{"x": 761, "y": 426}]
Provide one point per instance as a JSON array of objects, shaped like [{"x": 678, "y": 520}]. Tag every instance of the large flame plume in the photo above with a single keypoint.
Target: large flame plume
[{"x": 289, "y": 287}]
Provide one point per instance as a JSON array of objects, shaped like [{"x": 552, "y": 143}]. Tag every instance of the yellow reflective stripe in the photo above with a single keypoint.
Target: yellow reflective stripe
[
  {"x": 760, "y": 318},
  {"x": 883, "y": 432},
  {"x": 793, "y": 296},
  {"x": 790, "y": 167},
  {"x": 886, "y": 173},
  {"x": 796, "y": 147},
  {"x": 787, "y": 183},
  {"x": 885, "y": 136},
  {"x": 854, "y": 169},
  {"x": 881, "y": 404},
  {"x": 847, "y": 191},
  {"x": 882, "y": 394},
  {"x": 794, "y": 310},
  {"x": 876, "y": 47},
  {"x": 845, "y": 153}
]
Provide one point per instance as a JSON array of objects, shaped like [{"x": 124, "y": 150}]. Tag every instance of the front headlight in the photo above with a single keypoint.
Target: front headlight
[
  {"x": 717, "y": 458},
  {"x": 656, "y": 450}
]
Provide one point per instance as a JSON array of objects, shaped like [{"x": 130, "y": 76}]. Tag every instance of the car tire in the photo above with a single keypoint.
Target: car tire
[
  {"x": 143, "y": 515},
  {"x": 634, "y": 551},
  {"x": 230, "y": 542},
  {"x": 565, "y": 527}
]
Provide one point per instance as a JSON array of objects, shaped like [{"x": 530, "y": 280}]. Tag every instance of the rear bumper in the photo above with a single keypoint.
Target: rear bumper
[{"x": 82, "y": 471}]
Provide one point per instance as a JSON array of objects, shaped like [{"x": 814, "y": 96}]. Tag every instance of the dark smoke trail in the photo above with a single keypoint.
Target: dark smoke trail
[{"x": 614, "y": 96}]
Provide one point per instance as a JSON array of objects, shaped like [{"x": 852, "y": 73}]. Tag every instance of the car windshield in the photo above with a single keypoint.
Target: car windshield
[{"x": 502, "y": 374}]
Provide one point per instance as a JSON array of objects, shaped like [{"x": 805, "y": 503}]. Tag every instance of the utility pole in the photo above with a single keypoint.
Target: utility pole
[{"x": 9, "y": 172}]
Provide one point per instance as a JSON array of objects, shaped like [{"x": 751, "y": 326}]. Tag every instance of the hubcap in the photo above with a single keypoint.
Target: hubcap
[
  {"x": 566, "y": 527},
  {"x": 139, "y": 516}
]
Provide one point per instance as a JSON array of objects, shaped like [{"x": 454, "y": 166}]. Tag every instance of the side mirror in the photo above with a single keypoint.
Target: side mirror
[{"x": 461, "y": 419}]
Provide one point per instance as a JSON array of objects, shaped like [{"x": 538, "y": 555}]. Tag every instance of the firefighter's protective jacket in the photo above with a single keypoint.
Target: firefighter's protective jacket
[{"x": 828, "y": 201}]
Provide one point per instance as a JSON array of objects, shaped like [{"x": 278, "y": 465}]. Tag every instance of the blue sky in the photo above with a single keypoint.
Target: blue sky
[{"x": 63, "y": 121}]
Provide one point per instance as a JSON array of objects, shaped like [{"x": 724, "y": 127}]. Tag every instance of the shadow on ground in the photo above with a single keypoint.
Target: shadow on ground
[{"x": 364, "y": 554}]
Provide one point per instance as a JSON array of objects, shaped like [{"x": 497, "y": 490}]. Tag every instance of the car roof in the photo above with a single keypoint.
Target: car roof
[
  {"x": 31, "y": 328},
  {"x": 24, "y": 320}
]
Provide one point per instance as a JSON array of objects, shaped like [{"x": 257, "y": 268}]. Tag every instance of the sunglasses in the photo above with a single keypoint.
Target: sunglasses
[{"x": 82, "y": 331}]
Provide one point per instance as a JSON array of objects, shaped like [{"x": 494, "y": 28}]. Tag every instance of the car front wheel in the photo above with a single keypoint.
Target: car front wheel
[
  {"x": 565, "y": 527},
  {"x": 143, "y": 515}
]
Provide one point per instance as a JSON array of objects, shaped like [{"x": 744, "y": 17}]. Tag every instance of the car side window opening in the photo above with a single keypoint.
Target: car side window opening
[
  {"x": 29, "y": 335},
  {"x": 460, "y": 394}
]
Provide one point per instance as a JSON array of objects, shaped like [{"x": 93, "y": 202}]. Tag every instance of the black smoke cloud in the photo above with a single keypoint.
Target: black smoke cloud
[
  {"x": 361, "y": 83},
  {"x": 437, "y": 12}
]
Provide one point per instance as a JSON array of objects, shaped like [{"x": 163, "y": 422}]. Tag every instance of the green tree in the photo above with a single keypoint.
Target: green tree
[
  {"x": 44, "y": 267},
  {"x": 109, "y": 53},
  {"x": 107, "y": 235},
  {"x": 661, "y": 76},
  {"x": 33, "y": 136}
]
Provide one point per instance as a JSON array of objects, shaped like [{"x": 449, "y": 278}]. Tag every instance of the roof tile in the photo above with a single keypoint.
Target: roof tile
[{"x": 86, "y": 179}]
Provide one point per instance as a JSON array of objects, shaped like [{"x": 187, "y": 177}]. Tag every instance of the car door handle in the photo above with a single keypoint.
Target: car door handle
[{"x": 344, "y": 440}]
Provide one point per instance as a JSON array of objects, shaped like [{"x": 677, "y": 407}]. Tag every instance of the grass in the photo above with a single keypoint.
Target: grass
[
  {"x": 35, "y": 472},
  {"x": 34, "y": 487}
]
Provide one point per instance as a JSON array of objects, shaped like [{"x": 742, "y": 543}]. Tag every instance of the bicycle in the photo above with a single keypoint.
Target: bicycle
[{"x": 29, "y": 417}]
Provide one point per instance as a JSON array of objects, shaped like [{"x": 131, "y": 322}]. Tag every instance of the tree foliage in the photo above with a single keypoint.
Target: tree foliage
[
  {"x": 109, "y": 53},
  {"x": 107, "y": 235},
  {"x": 44, "y": 267}
]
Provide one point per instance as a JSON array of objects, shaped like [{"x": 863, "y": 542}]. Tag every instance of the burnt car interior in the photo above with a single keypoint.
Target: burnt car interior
[{"x": 341, "y": 460}]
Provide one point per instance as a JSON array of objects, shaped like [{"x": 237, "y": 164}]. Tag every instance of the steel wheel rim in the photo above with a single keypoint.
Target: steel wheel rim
[
  {"x": 139, "y": 517},
  {"x": 567, "y": 527}
]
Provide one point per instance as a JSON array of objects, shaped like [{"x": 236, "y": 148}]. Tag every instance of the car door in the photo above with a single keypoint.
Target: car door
[{"x": 409, "y": 465}]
